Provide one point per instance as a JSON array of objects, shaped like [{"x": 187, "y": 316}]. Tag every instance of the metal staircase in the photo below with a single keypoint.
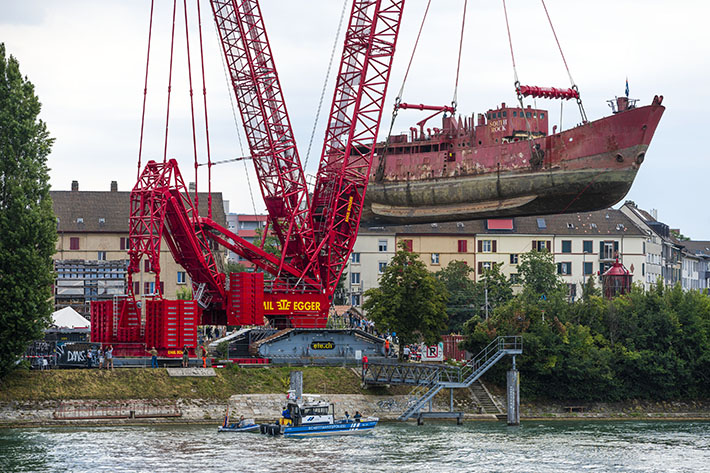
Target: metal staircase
[{"x": 468, "y": 374}]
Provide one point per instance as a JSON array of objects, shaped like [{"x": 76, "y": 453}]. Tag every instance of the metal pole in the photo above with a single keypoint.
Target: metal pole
[
  {"x": 513, "y": 395},
  {"x": 451, "y": 400}
]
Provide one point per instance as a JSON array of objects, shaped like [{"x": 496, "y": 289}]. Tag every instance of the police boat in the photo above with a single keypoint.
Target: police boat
[{"x": 314, "y": 418}]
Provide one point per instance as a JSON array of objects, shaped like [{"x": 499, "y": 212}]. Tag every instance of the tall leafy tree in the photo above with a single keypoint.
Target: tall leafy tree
[
  {"x": 456, "y": 276},
  {"x": 27, "y": 222},
  {"x": 409, "y": 301},
  {"x": 492, "y": 290}
]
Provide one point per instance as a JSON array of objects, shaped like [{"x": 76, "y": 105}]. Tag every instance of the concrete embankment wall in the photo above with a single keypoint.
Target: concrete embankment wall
[{"x": 262, "y": 407}]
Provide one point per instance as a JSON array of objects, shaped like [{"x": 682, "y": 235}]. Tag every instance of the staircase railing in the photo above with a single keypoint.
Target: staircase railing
[
  {"x": 469, "y": 373},
  {"x": 487, "y": 357}
]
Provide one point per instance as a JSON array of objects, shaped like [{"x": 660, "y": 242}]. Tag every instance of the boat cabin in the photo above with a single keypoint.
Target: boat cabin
[{"x": 310, "y": 413}]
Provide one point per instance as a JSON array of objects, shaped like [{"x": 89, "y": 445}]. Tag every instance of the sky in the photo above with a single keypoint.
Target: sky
[{"x": 87, "y": 61}]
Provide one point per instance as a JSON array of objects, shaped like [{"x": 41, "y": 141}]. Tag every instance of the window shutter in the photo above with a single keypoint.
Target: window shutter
[
  {"x": 480, "y": 246},
  {"x": 137, "y": 288},
  {"x": 548, "y": 246},
  {"x": 162, "y": 287},
  {"x": 559, "y": 268},
  {"x": 495, "y": 246},
  {"x": 146, "y": 288},
  {"x": 534, "y": 245},
  {"x": 480, "y": 267},
  {"x": 74, "y": 243},
  {"x": 601, "y": 249},
  {"x": 146, "y": 266},
  {"x": 123, "y": 243}
]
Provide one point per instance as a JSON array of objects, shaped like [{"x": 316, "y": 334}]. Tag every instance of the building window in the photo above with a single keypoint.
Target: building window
[
  {"x": 587, "y": 246},
  {"x": 435, "y": 258},
  {"x": 572, "y": 291},
  {"x": 564, "y": 268},
  {"x": 514, "y": 258},
  {"x": 136, "y": 288},
  {"x": 514, "y": 279},
  {"x": 408, "y": 245},
  {"x": 355, "y": 258},
  {"x": 354, "y": 278},
  {"x": 608, "y": 249},
  {"x": 487, "y": 246},
  {"x": 382, "y": 245},
  {"x": 148, "y": 288},
  {"x": 463, "y": 246},
  {"x": 541, "y": 245},
  {"x": 484, "y": 266},
  {"x": 101, "y": 256},
  {"x": 146, "y": 266},
  {"x": 381, "y": 267},
  {"x": 566, "y": 246},
  {"x": 588, "y": 268},
  {"x": 74, "y": 243},
  {"x": 355, "y": 300},
  {"x": 181, "y": 277}
]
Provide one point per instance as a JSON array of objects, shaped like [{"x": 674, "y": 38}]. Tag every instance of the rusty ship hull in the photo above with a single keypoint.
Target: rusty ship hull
[{"x": 483, "y": 172}]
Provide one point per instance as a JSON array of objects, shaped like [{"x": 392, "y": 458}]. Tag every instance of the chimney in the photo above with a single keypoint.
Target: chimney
[
  {"x": 191, "y": 187},
  {"x": 114, "y": 186},
  {"x": 654, "y": 214},
  {"x": 75, "y": 186}
]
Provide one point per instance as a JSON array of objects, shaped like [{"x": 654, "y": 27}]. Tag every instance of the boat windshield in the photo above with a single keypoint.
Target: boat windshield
[{"x": 314, "y": 411}]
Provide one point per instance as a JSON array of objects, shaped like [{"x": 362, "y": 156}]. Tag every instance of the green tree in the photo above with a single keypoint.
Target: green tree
[
  {"x": 493, "y": 290},
  {"x": 456, "y": 277},
  {"x": 183, "y": 293},
  {"x": 28, "y": 229},
  {"x": 539, "y": 275},
  {"x": 409, "y": 301}
]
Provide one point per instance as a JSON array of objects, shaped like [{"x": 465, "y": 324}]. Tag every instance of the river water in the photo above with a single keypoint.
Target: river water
[{"x": 578, "y": 446}]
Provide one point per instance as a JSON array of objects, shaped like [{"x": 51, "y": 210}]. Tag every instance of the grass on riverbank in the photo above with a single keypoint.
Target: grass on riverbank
[{"x": 139, "y": 383}]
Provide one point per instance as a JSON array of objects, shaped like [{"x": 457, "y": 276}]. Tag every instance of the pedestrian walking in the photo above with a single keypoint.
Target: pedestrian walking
[
  {"x": 101, "y": 358},
  {"x": 204, "y": 356},
  {"x": 364, "y": 365},
  {"x": 89, "y": 358}
]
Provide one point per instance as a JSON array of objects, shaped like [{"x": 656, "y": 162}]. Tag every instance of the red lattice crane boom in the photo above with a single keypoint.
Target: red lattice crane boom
[{"x": 316, "y": 236}]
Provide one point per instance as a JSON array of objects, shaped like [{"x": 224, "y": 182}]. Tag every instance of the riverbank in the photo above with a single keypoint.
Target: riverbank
[{"x": 153, "y": 396}]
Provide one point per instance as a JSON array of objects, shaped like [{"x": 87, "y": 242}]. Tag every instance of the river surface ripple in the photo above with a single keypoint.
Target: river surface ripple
[{"x": 535, "y": 446}]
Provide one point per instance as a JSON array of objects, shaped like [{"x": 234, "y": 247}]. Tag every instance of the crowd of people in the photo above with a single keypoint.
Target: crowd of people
[{"x": 101, "y": 357}]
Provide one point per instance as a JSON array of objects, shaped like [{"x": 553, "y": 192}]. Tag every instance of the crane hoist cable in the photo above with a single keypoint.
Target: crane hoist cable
[
  {"x": 207, "y": 128},
  {"x": 325, "y": 82},
  {"x": 170, "y": 83},
  {"x": 192, "y": 101},
  {"x": 230, "y": 91},
  {"x": 145, "y": 88},
  {"x": 379, "y": 174},
  {"x": 458, "y": 63}
]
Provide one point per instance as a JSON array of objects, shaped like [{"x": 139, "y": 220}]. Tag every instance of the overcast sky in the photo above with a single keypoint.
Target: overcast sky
[{"x": 87, "y": 59}]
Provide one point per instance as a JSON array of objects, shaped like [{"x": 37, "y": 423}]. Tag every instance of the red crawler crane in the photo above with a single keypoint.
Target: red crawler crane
[{"x": 316, "y": 236}]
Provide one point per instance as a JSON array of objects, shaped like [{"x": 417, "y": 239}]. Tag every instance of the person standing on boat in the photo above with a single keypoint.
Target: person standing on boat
[
  {"x": 347, "y": 416},
  {"x": 357, "y": 416}
]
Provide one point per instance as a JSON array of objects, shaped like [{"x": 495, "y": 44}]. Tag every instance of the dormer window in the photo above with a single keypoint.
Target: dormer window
[
  {"x": 80, "y": 220},
  {"x": 102, "y": 220}
]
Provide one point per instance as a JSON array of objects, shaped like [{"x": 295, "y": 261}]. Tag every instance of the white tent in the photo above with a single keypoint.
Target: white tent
[{"x": 69, "y": 318}]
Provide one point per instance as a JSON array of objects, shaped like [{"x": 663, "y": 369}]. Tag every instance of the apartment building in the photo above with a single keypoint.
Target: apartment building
[
  {"x": 91, "y": 258},
  {"x": 248, "y": 227},
  {"x": 373, "y": 251},
  {"x": 583, "y": 245}
]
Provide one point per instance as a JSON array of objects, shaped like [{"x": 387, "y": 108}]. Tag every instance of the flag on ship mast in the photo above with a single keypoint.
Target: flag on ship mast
[{"x": 627, "y": 87}]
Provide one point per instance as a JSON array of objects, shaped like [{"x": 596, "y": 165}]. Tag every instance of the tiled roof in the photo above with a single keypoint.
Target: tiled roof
[
  {"x": 608, "y": 222},
  {"x": 101, "y": 211},
  {"x": 697, "y": 247}
]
